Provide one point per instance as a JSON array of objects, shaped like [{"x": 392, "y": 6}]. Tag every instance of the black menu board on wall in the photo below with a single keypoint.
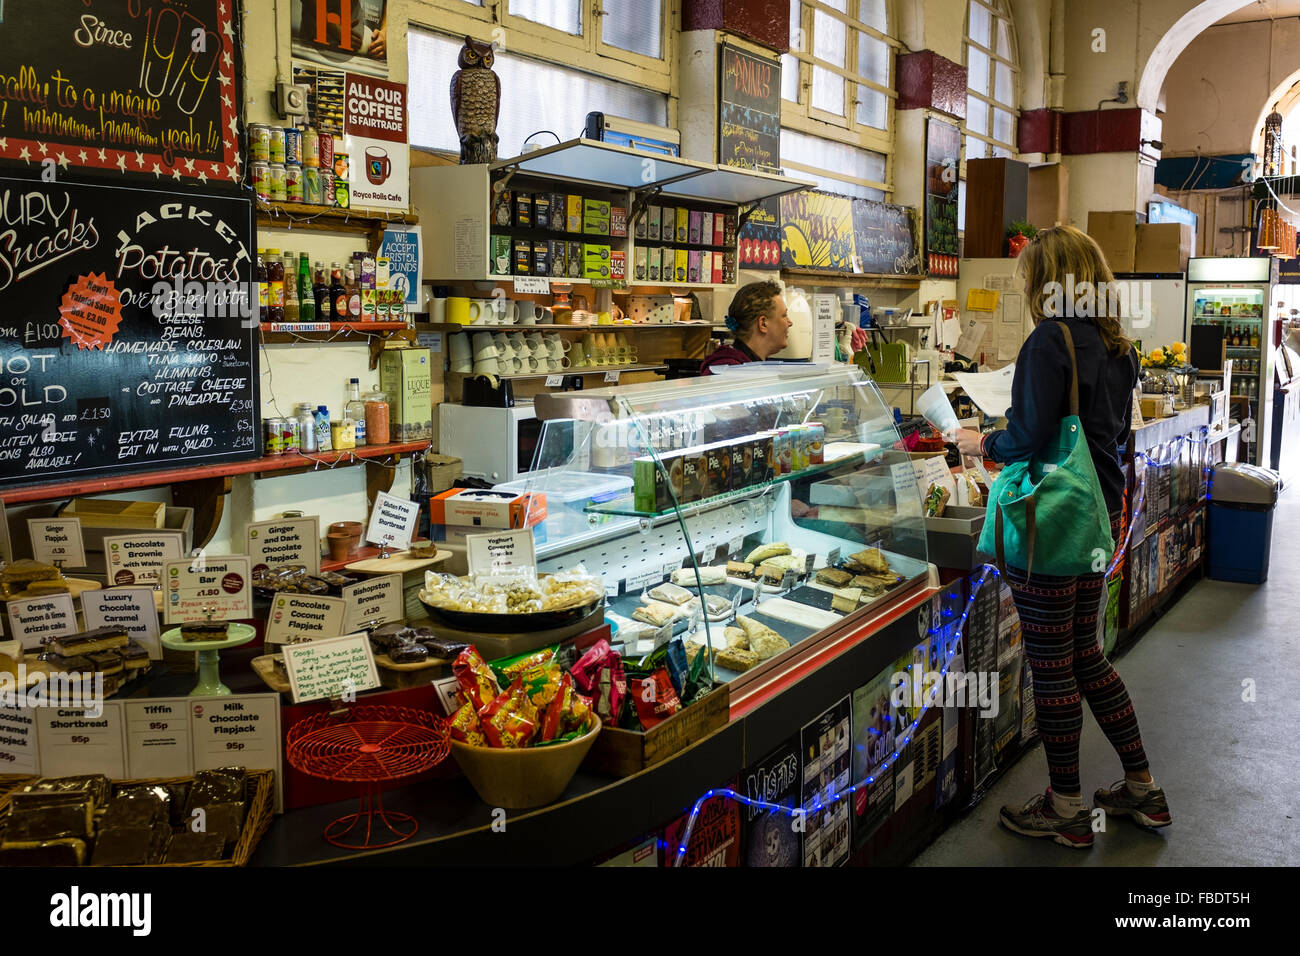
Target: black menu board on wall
[
  {"x": 136, "y": 89},
  {"x": 749, "y": 111},
  {"x": 884, "y": 237},
  {"x": 128, "y": 333}
]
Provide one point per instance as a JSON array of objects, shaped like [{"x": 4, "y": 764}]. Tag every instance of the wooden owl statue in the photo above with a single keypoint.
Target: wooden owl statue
[{"x": 476, "y": 102}]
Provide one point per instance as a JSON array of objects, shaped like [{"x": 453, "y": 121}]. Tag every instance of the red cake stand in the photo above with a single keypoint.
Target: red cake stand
[{"x": 370, "y": 746}]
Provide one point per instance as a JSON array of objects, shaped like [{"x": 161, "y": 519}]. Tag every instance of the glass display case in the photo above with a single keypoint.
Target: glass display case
[{"x": 775, "y": 491}]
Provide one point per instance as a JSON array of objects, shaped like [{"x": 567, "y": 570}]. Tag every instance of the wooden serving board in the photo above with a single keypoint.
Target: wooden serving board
[
  {"x": 399, "y": 562},
  {"x": 75, "y": 587}
]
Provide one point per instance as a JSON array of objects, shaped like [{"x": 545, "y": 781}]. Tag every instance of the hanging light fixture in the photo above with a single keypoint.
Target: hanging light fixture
[
  {"x": 1273, "y": 143},
  {"x": 1267, "y": 238}
]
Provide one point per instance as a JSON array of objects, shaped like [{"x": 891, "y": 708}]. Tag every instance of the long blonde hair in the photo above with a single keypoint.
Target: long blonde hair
[{"x": 1061, "y": 259}]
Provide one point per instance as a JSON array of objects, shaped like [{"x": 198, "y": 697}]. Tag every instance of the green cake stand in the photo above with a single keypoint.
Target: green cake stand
[{"x": 209, "y": 652}]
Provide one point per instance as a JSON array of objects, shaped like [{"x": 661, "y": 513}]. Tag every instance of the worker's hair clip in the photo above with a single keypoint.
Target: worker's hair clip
[{"x": 731, "y": 324}]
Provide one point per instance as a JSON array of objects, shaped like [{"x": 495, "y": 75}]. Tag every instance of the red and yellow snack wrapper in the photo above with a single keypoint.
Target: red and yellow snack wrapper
[
  {"x": 555, "y": 711},
  {"x": 509, "y": 720},
  {"x": 541, "y": 684},
  {"x": 654, "y": 697},
  {"x": 511, "y": 667},
  {"x": 465, "y": 726},
  {"x": 478, "y": 685}
]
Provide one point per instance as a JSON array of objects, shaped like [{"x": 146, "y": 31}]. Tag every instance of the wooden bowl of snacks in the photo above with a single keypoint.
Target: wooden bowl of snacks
[{"x": 518, "y": 778}]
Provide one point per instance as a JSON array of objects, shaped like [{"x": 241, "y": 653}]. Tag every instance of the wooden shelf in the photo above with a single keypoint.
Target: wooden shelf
[
  {"x": 856, "y": 280},
  {"x": 351, "y": 332},
  {"x": 579, "y": 329},
  {"x": 204, "y": 487},
  {"x": 296, "y": 215},
  {"x": 566, "y": 373}
]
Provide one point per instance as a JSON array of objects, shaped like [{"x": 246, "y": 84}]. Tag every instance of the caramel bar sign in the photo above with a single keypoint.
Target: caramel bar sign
[
  {"x": 285, "y": 541},
  {"x": 207, "y": 587},
  {"x": 37, "y": 619}
]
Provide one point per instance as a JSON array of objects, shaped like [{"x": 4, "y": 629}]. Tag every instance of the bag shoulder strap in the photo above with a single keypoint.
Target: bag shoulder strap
[{"x": 1074, "y": 370}]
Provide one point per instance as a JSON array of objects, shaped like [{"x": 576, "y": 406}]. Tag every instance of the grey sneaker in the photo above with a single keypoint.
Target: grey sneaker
[
  {"x": 1149, "y": 810},
  {"x": 1037, "y": 819}
]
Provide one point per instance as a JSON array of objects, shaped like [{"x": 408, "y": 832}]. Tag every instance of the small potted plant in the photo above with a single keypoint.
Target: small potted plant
[{"x": 1018, "y": 236}]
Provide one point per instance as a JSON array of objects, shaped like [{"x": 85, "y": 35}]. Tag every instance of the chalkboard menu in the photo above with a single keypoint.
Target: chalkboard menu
[
  {"x": 823, "y": 232},
  {"x": 749, "y": 120},
  {"x": 942, "y": 157},
  {"x": 128, "y": 333},
  {"x": 131, "y": 88}
]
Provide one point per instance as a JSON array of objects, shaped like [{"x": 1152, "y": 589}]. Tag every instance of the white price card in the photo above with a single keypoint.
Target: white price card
[
  {"x": 392, "y": 521},
  {"x": 285, "y": 541},
  {"x": 611, "y": 589},
  {"x": 339, "y": 667},
  {"x": 82, "y": 740},
  {"x": 18, "y": 750},
  {"x": 500, "y": 551},
  {"x": 448, "y": 691},
  {"x": 304, "y": 617},
  {"x": 243, "y": 731},
  {"x": 430, "y": 340},
  {"x": 32, "y": 619},
  {"x": 532, "y": 285},
  {"x": 639, "y": 582},
  {"x": 158, "y": 738},
  {"x": 375, "y": 599},
  {"x": 554, "y": 381},
  {"x": 907, "y": 496},
  {"x": 207, "y": 587},
  {"x": 57, "y": 541},
  {"x": 611, "y": 378},
  {"x": 139, "y": 558},
  {"x": 935, "y": 471},
  {"x": 735, "y": 544},
  {"x": 131, "y": 608}
]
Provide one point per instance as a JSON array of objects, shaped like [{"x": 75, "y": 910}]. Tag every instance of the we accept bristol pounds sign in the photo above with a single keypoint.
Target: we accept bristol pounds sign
[{"x": 127, "y": 338}]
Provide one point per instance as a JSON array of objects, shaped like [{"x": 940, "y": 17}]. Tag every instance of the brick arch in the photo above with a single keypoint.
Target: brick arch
[{"x": 1183, "y": 29}]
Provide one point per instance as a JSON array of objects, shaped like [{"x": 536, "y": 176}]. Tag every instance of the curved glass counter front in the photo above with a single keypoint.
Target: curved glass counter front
[{"x": 775, "y": 491}]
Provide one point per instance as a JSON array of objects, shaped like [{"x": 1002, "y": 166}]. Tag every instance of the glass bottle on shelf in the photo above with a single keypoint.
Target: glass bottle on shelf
[
  {"x": 291, "y": 301},
  {"x": 320, "y": 292},
  {"x": 338, "y": 295},
  {"x": 275, "y": 285},
  {"x": 353, "y": 290},
  {"x": 1254, "y": 337},
  {"x": 263, "y": 291},
  {"x": 355, "y": 410},
  {"x": 306, "y": 297}
]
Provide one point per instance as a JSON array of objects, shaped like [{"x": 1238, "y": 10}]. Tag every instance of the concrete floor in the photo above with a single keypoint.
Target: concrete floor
[{"x": 1230, "y": 769}]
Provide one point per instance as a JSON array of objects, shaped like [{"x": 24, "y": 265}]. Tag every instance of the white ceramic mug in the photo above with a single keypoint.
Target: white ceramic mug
[
  {"x": 557, "y": 363},
  {"x": 458, "y": 347},
  {"x": 483, "y": 341},
  {"x": 461, "y": 365},
  {"x": 504, "y": 345},
  {"x": 518, "y": 345},
  {"x": 487, "y": 366},
  {"x": 578, "y": 356},
  {"x": 526, "y": 312},
  {"x": 438, "y": 309},
  {"x": 558, "y": 346}
]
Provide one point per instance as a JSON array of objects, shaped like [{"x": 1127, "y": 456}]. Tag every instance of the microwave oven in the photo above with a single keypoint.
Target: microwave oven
[{"x": 500, "y": 444}]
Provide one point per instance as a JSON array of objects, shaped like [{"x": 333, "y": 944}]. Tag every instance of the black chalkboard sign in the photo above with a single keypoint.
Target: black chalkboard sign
[
  {"x": 134, "y": 89},
  {"x": 128, "y": 333},
  {"x": 749, "y": 121},
  {"x": 884, "y": 238}
]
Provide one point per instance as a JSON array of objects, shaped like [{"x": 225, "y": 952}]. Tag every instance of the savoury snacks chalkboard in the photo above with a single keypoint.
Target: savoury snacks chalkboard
[
  {"x": 144, "y": 89},
  {"x": 127, "y": 338}
]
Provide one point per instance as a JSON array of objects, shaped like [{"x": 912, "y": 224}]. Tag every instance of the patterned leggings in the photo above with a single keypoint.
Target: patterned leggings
[{"x": 1058, "y": 618}]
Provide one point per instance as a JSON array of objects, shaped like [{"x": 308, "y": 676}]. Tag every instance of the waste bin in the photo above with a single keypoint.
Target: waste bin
[{"x": 1242, "y": 499}]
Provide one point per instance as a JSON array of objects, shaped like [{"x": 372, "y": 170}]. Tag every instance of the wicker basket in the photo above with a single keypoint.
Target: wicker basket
[{"x": 260, "y": 796}]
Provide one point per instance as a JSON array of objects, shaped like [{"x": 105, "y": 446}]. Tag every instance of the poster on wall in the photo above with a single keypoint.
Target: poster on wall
[
  {"x": 873, "y": 743},
  {"x": 768, "y": 837},
  {"x": 715, "y": 838},
  {"x": 129, "y": 333},
  {"x": 374, "y": 137},
  {"x": 141, "y": 91},
  {"x": 760, "y": 237},
  {"x": 825, "y": 771},
  {"x": 352, "y": 34},
  {"x": 942, "y": 162},
  {"x": 401, "y": 247},
  {"x": 823, "y": 232},
  {"x": 749, "y": 111},
  {"x": 324, "y": 96}
]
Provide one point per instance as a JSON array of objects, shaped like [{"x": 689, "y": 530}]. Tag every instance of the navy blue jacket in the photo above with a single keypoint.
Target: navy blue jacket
[{"x": 1040, "y": 398}]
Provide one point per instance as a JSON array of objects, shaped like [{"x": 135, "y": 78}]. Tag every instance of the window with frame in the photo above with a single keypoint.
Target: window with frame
[
  {"x": 840, "y": 66},
  {"x": 992, "y": 68},
  {"x": 834, "y": 167},
  {"x": 626, "y": 40},
  {"x": 536, "y": 97}
]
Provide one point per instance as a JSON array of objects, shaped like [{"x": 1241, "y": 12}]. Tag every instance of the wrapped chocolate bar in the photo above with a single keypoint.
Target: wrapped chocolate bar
[
  {"x": 586, "y": 671},
  {"x": 654, "y": 697}
]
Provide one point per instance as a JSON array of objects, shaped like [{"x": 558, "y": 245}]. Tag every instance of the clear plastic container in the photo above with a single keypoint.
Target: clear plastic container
[{"x": 567, "y": 495}]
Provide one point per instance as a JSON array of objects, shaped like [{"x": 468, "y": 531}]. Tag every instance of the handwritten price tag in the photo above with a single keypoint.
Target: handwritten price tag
[
  {"x": 532, "y": 285},
  {"x": 645, "y": 579},
  {"x": 554, "y": 381},
  {"x": 611, "y": 378}
]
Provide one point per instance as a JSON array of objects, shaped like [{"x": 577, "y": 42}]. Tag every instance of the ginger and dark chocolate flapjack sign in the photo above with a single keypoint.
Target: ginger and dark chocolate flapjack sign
[
  {"x": 127, "y": 337},
  {"x": 129, "y": 89}
]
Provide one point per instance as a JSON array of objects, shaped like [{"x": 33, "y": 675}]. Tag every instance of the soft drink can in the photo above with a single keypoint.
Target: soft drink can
[
  {"x": 277, "y": 144},
  {"x": 273, "y": 436},
  {"x": 292, "y": 145},
  {"x": 259, "y": 143}
]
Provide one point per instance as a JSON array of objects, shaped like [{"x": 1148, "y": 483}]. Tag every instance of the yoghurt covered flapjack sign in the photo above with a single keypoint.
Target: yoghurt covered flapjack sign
[
  {"x": 374, "y": 137},
  {"x": 127, "y": 339}
]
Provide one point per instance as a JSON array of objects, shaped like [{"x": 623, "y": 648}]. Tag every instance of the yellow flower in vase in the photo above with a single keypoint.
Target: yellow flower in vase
[{"x": 1157, "y": 356}]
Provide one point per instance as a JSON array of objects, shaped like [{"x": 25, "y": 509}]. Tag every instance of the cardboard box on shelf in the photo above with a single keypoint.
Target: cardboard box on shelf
[
  {"x": 1116, "y": 233},
  {"x": 405, "y": 376},
  {"x": 1163, "y": 247},
  {"x": 483, "y": 508}
]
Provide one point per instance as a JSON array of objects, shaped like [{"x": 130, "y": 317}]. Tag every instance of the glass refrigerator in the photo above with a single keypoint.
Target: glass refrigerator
[{"x": 1230, "y": 318}]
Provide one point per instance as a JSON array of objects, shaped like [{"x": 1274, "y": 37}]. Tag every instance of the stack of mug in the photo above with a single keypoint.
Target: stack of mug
[
  {"x": 603, "y": 350},
  {"x": 508, "y": 354}
]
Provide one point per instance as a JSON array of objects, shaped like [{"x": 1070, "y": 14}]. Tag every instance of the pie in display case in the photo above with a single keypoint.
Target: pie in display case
[{"x": 748, "y": 512}]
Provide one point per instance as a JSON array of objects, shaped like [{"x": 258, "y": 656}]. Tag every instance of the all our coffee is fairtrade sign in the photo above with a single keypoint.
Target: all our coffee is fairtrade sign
[{"x": 374, "y": 135}]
